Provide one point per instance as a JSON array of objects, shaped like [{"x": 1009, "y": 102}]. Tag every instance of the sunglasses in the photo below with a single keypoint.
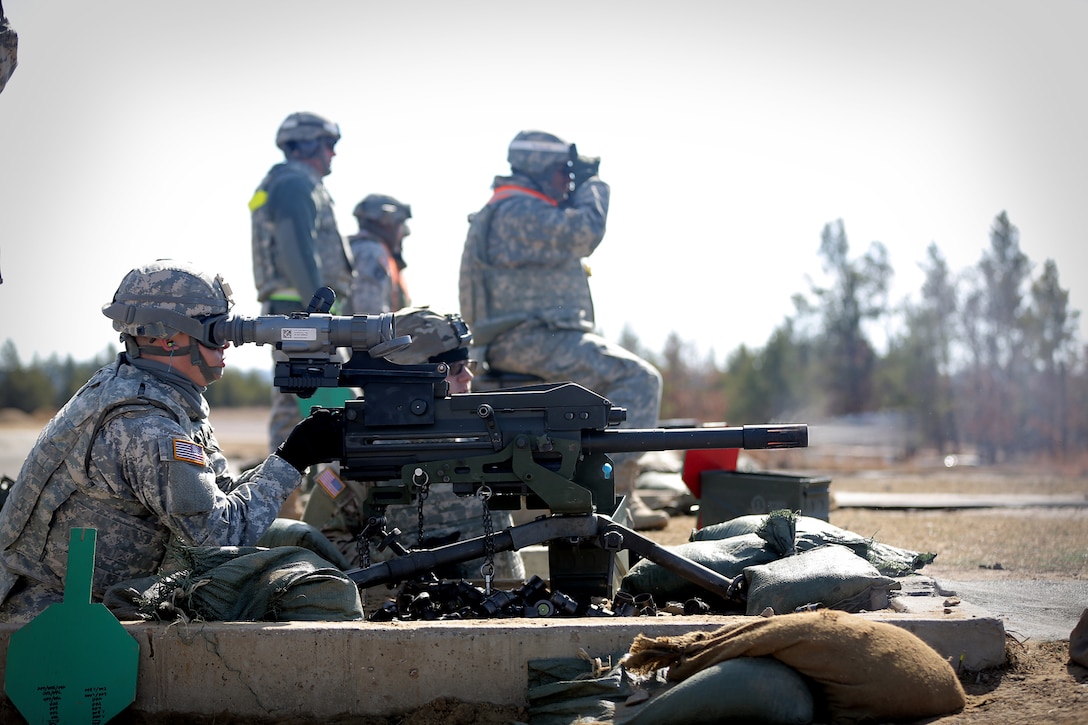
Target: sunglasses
[{"x": 459, "y": 367}]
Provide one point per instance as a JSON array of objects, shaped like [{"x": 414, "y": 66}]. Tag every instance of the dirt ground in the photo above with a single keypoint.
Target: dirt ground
[{"x": 1037, "y": 684}]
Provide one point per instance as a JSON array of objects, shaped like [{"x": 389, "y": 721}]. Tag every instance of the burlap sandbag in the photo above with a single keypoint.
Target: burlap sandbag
[{"x": 863, "y": 670}]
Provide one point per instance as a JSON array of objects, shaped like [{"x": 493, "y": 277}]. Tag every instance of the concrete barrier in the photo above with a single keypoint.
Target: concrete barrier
[{"x": 268, "y": 671}]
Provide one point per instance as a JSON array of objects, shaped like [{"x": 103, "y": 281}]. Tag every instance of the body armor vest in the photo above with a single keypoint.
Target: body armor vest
[
  {"x": 55, "y": 475},
  {"x": 333, "y": 260},
  {"x": 495, "y": 298}
]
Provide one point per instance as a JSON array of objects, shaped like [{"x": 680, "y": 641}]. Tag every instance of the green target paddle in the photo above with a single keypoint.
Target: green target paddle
[{"x": 74, "y": 662}]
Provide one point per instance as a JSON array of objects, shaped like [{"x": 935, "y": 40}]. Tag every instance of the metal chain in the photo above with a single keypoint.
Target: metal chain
[
  {"x": 488, "y": 568},
  {"x": 423, "y": 488},
  {"x": 375, "y": 523},
  {"x": 363, "y": 544}
]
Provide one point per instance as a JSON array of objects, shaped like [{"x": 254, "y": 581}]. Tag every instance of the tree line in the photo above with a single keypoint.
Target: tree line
[
  {"x": 46, "y": 385},
  {"x": 987, "y": 358},
  {"x": 984, "y": 358}
]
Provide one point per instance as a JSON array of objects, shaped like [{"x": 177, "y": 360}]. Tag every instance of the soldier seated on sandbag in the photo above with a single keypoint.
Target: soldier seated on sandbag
[{"x": 524, "y": 289}]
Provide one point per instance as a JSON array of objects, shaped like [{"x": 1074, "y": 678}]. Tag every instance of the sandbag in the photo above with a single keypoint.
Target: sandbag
[
  {"x": 832, "y": 576},
  {"x": 744, "y": 689},
  {"x": 727, "y": 557},
  {"x": 232, "y": 583},
  {"x": 567, "y": 690},
  {"x": 813, "y": 532},
  {"x": 727, "y": 529},
  {"x": 861, "y": 670},
  {"x": 291, "y": 532}
]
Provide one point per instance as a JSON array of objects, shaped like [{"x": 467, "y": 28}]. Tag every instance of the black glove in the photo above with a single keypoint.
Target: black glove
[
  {"x": 585, "y": 167},
  {"x": 316, "y": 439}
]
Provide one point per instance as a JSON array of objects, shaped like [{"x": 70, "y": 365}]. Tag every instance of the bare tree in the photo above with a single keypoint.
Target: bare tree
[{"x": 857, "y": 293}]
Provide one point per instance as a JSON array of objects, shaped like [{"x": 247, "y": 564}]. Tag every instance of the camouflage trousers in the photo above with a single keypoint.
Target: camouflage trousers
[
  {"x": 591, "y": 361},
  {"x": 446, "y": 518},
  {"x": 22, "y": 599}
]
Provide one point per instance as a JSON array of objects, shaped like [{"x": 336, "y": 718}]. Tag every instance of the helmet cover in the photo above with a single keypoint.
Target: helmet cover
[
  {"x": 536, "y": 153},
  {"x": 305, "y": 126},
  {"x": 165, "y": 297},
  {"x": 382, "y": 209},
  {"x": 435, "y": 337}
]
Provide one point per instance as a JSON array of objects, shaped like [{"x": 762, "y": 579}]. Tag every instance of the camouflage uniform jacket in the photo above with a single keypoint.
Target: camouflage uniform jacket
[
  {"x": 297, "y": 247},
  {"x": 378, "y": 286},
  {"x": 523, "y": 257},
  {"x": 9, "y": 51},
  {"x": 132, "y": 457}
]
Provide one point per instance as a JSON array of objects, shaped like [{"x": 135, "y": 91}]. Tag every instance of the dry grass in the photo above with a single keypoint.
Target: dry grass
[
  {"x": 1033, "y": 542},
  {"x": 1026, "y": 541}
]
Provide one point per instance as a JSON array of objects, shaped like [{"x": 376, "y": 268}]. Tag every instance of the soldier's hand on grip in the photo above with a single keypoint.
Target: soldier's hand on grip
[{"x": 316, "y": 439}]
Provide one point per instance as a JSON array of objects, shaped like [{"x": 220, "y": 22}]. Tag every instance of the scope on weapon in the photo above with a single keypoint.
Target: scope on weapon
[
  {"x": 312, "y": 331},
  {"x": 303, "y": 332},
  {"x": 307, "y": 343}
]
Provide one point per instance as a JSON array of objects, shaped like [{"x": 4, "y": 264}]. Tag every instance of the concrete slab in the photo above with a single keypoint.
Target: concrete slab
[
  {"x": 323, "y": 670},
  {"x": 1030, "y": 609}
]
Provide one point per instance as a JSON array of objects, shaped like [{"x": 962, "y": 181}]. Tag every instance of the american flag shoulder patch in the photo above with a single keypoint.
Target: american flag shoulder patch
[
  {"x": 186, "y": 450},
  {"x": 330, "y": 482}
]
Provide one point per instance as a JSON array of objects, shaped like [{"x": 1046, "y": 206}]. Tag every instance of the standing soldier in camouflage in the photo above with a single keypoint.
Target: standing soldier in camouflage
[
  {"x": 524, "y": 288},
  {"x": 378, "y": 251},
  {"x": 133, "y": 455},
  {"x": 9, "y": 49},
  {"x": 297, "y": 247},
  {"x": 337, "y": 509}
]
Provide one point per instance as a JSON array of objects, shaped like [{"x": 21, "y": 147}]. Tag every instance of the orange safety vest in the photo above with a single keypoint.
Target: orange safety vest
[
  {"x": 399, "y": 292},
  {"x": 505, "y": 192}
]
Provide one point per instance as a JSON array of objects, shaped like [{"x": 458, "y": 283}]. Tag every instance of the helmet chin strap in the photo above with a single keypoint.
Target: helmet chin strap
[{"x": 193, "y": 349}]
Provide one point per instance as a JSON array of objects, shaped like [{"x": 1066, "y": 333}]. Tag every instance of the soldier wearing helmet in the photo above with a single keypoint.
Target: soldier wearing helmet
[
  {"x": 378, "y": 252},
  {"x": 297, "y": 247},
  {"x": 338, "y": 511},
  {"x": 133, "y": 454},
  {"x": 524, "y": 287}
]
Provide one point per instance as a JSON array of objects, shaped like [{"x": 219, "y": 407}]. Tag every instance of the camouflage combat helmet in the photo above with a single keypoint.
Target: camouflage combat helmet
[
  {"x": 298, "y": 128},
  {"x": 435, "y": 337},
  {"x": 384, "y": 210},
  {"x": 536, "y": 153},
  {"x": 166, "y": 297}
]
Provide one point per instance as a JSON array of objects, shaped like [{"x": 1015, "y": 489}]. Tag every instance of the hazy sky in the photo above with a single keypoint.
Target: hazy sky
[{"x": 731, "y": 132}]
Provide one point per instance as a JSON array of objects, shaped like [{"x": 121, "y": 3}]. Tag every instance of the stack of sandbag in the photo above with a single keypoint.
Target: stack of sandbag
[
  {"x": 828, "y": 665},
  {"x": 783, "y": 561},
  {"x": 811, "y": 532}
]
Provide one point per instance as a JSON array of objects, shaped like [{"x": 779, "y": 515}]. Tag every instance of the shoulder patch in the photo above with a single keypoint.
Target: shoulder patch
[
  {"x": 330, "y": 482},
  {"x": 188, "y": 451}
]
